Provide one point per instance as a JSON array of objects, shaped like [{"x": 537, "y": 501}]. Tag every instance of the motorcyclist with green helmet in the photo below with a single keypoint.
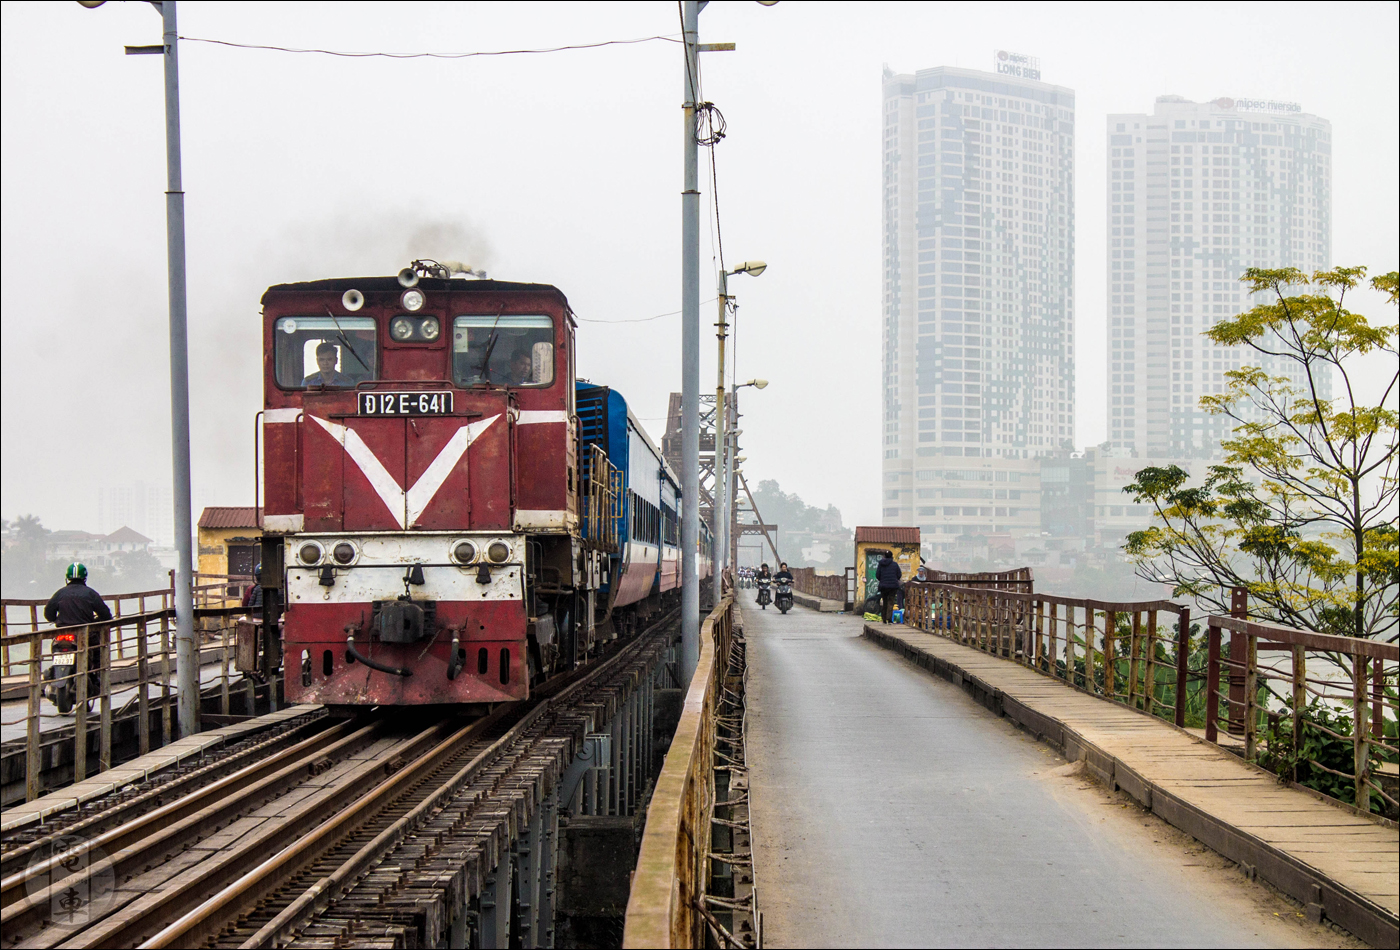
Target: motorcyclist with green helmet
[{"x": 76, "y": 605}]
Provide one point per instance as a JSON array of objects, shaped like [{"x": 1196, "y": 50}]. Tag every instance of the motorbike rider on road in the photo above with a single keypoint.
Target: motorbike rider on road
[
  {"x": 784, "y": 576},
  {"x": 763, "y": 580},
  {"x": 76, "y": 604}
]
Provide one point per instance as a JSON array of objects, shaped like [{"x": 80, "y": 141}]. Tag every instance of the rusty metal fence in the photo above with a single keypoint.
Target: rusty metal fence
[
  {"x": 669, "y": 904},
  {"x": 122, "y": 666},
  {"x": 1133, "y": 652},
  {"x": 1317, "y": 708},
  {"x": 825, "y": 586},
  {"x": 1021, "y": 579}
]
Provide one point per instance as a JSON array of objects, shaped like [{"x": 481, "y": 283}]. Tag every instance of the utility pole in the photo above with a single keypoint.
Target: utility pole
[
  {"x": 186, "y": 650},
  {"x": 721, "y": 542},
  {"x": 690, "y": 353}
]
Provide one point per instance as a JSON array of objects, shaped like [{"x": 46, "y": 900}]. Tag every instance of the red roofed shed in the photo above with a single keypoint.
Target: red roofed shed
[{"x": 871, "y": 542}]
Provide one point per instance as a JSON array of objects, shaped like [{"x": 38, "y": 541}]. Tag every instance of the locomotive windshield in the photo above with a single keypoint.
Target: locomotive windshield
[
  {"x": 330, "y": 352},
  {"x": 503, "y": 350}
]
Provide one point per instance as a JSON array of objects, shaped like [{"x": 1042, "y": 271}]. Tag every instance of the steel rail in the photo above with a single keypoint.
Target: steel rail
[
  {"x": 236, "y": 757},
  {"x": 207, "y": 919},
  {"x": 116, "y": 929},
  {"x": 209, "y": 808}
]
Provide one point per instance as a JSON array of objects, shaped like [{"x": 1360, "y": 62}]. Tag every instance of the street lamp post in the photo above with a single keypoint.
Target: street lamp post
[
  {"x": 722, "y": 492},
  {"x": 186, "y": 652}
]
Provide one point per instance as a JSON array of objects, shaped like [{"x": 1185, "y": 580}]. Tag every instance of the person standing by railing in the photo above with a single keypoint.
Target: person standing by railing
[{"x": 887, "y": 576}]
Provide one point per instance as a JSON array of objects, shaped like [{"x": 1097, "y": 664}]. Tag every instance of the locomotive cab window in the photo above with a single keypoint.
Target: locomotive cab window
[
  {"x": 332, "y": 353},
  {"x": 503, "y": 350}
]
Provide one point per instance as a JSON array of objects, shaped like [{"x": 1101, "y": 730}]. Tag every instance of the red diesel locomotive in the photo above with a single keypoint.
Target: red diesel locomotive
[{"x": 440, "y": 524}]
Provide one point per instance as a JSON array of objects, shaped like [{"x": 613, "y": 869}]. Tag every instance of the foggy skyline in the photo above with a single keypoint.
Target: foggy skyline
[{"x": 560, "y": 168}]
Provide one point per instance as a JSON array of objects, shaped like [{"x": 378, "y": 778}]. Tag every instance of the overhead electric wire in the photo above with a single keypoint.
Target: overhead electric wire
[
  {"x": 658, "y": 316},
  {"x": 370, "y": 54}
]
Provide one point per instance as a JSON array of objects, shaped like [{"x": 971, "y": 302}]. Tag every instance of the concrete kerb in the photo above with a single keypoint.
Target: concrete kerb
[
  {"x": 817, "y": 603},
  {"x": 1319, "y": 894}
]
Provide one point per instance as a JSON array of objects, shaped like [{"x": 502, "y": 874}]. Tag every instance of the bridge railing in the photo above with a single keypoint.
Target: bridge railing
[
  {"x": 673, "y": 866},
  {"x": 1136, "y": 652},
  {"x": 825, "y": 586},
  {"x": 1318, "y": 709},
  {"x": 128, "y": 666}
]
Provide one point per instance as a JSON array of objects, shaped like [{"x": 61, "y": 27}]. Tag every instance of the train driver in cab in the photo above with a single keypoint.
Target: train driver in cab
[
  {"x": 327, "y": 356},
  {"x": 522, "y": 368}
]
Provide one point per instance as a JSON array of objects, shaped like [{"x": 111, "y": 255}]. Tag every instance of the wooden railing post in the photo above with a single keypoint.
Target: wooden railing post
[
  {"x": 1110, "y": 654},
  {"x": 105, "y": 685},
  {"x": 32, "y": 759},
  {"x": 1251, "y": 692},
  {"x": 1212, "y": 679},
  {"x": 1239, "y": 609},
  {"x": 83, "y": 638},
  {"x": 1300, "y": 701},
  {"x": 1183, "y": 661},
  {"x": 1150, "y": 676},
  {"x": 1361, "y": 732},
  {"x": 143, "y": 673}
]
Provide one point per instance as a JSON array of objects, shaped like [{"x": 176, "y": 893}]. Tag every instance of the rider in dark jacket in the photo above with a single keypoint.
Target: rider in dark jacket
[
  {"x": 76, "y": 604},
  {"x": 784, "y": 576}
]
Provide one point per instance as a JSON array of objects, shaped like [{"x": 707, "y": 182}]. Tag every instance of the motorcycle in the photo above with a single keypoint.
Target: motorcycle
[
  {"x": 65, "y": 665},
  {"x": 783, "y": 599},
  {"x": 765, "y": 597}
]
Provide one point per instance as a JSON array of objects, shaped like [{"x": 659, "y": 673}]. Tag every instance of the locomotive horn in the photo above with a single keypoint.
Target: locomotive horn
[
  {"x": 407, "y": 278},
  {"x": 352, "y": 300}
]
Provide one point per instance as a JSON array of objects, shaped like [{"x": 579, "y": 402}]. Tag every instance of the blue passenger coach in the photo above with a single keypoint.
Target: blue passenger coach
[{"x": 647, "y": 565}]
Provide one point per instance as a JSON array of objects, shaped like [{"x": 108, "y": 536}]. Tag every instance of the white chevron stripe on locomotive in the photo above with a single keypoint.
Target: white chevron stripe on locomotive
[{"x": 406, "y": 506}]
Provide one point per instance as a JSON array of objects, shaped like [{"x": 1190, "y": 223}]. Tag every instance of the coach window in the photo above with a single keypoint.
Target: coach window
[
  {"x": 324, "y": 352},
  {"x": 503, "y": 350}
]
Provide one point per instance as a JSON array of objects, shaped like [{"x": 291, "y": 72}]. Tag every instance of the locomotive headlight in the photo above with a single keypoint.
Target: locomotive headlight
[
  {"x": 464, "y": 552},
  {"x": 344, "y": 552},
  {"x": 309, "y": 553},
  {"x": 413, "y": 300},
  {"x": 401, "y": 328},
  {"x": 498, "y": 552},
  {"x": 429, "y": 328}
]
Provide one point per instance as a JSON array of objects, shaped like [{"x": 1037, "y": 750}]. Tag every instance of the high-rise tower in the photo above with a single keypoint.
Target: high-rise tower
[
  {"x": 1197, "y": 192},
  {"x": 978, "y": 309}
]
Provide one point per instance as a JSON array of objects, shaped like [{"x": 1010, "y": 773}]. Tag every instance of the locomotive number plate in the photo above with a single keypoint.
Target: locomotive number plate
[{"x": 406, "y": 404}]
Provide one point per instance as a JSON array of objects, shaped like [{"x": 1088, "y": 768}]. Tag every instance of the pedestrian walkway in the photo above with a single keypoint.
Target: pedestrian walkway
[
  {"x": 890, "y": 809},
  {"x": 1342, "y": 863}
]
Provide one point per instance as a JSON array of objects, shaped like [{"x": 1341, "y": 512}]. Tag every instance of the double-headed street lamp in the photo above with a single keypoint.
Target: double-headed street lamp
[{"x": 721, "y": 532}]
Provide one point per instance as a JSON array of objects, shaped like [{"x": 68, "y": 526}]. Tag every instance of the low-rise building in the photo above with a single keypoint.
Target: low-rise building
[{"x": 229, "y": 540}]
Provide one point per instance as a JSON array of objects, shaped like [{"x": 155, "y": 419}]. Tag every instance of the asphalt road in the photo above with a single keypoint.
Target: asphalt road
[{"x": 889, "y": 809}]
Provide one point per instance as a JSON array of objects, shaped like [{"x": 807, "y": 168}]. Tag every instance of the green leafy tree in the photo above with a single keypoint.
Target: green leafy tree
[
  {"x": 23, "y": 572},
  {"x": 1302, "y": 511}
]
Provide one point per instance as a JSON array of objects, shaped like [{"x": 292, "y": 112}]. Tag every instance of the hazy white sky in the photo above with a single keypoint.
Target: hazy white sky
[{"x": 561, "y": 168}]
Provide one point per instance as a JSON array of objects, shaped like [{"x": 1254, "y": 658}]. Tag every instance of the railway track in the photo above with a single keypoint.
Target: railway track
[
  {"x": 358, "y": 833},
  {"x": 128, "y": 802}
]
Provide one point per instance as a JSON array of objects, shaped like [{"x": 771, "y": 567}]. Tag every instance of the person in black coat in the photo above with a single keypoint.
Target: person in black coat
[
  {"x": 887, "y": 576},
  {"x": 75, "y": 604}
]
